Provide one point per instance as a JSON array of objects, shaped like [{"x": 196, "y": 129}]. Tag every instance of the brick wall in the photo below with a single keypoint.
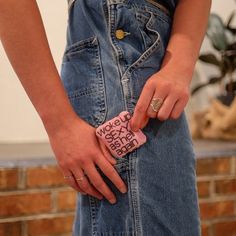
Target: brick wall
[
  {"x": 217, "y": 195},
  {"x": 35, "y": 201}
]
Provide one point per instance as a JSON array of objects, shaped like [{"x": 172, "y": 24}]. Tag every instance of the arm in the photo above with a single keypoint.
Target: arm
[
  {"x": 24, "y": 40},
  {"x": 171, "y": 82}
]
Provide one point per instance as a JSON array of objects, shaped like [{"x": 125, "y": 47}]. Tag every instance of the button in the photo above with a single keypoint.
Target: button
[{"x": 120, "y": 34}]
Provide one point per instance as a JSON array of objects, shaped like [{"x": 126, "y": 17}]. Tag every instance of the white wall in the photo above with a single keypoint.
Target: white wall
[{"x": 19, "y": 121}]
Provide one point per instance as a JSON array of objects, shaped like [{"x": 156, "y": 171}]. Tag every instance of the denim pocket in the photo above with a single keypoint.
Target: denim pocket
[{"x": 83, "y": 79}]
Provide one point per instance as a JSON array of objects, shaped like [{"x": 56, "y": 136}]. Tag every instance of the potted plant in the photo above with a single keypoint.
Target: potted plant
[
  {"x": 223, "y": 39},
  {"x": 218, "y": 120}
]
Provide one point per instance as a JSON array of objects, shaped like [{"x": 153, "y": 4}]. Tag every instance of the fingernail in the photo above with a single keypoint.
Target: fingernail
[
  {"x": 123, "y": 189},
  {"x": 134, "y": 129},
  {"x": 113, "y": 200}
]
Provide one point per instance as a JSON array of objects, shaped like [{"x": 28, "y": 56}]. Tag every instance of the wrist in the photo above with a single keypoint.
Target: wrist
[
  {"x": 59, "y": 119},
  {"x": 181, "y": 67}
]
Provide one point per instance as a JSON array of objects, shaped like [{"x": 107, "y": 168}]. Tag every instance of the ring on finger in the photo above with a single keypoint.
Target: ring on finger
[
  {"x": 156, "y": 104},
  {"x": 68, "y": 176},
  {"x": 80, "y": 178}
]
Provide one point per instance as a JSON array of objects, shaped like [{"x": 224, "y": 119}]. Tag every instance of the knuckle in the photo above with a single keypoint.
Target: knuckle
[
  {"x": 175, "y": 116},
  {"x": 111, "y": 172},
  {"x": 151, "y": 114},
  {"x": 140, "y": 108},
  {"x": 82, "y": 161},
  {"x": 149, "y": 84},
  {"x": 186, "y": 94},
  {"x": 99, "y": 184},
  {"x": 167, "y": 85},
  {"x": 162, "y": 117}
]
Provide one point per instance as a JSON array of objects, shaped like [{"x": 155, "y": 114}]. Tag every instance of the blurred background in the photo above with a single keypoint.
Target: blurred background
[{"x": 34, "y": 199}]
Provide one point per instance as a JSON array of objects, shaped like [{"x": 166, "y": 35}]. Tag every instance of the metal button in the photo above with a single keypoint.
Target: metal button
[{"x": 120, "y": 34}]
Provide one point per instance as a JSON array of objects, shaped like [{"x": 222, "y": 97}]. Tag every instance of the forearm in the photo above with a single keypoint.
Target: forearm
[
  {"x": 188, "y": 30},
  {"x": 24, "y": 40}
]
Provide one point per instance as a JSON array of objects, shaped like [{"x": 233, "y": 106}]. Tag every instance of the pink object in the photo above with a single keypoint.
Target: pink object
[{"x": 117, "y": 135}]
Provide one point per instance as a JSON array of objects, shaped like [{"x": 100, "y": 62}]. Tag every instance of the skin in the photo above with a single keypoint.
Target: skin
[
  {"x": 172, "y": 82},
  {"x": 31, "y": 59}
]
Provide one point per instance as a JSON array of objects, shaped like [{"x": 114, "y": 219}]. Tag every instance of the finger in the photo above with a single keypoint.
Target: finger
[
  {"x": 141, "y": 107},
  {"x": 178, "y": 108},
  {"x": 73, "y": 184},
  {"x": 166, "y": 108},
  {"x": 84, "y": 184},
  {"x": 99, "y": 183},
  {"x": 144, "y": 123},
  {"x": 106, "y": 152},
  {"x": 111, "y": 173},
  {"x": 70, "y": 180}
]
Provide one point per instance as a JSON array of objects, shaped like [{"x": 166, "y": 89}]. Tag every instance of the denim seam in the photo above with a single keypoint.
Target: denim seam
[
  {"x": 134, "y": 194},
  {"x": 102, "y": 88},
  {"x": 156, "y": 45},
  {"x": 80, "y": 45},
  {"x": 118, "y": 51},
  {"x": 93, "y": 215}
]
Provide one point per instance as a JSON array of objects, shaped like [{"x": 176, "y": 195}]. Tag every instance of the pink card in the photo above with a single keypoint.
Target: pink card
[{"x": 117, "y": 135}]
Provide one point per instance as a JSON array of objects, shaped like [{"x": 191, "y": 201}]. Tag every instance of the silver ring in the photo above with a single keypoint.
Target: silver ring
[{"x": 156, "y": 104}]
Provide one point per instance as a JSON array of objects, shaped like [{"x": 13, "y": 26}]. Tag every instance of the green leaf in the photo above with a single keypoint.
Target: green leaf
[
  {"x": 216, "y": 32},
  {"x": 210, "y": 59},
  {"x": 212, "y": 80}
]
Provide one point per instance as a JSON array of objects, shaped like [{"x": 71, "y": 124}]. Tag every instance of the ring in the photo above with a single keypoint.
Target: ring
[
  {"x": 81, "y": 178},
  {"x": 68, "y": 176},
  {"x": 156, "y": 104}
]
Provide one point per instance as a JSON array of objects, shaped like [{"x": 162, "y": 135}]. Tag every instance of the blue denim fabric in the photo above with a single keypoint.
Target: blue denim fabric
[{"x": 103, "y": 76}]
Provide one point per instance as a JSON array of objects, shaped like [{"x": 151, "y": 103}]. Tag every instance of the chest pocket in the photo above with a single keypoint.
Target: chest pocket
[{"x": 82, "y": 77}]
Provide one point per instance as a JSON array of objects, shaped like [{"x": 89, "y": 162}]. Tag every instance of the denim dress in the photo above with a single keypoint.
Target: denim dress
[{"x": 113, "y": 47}]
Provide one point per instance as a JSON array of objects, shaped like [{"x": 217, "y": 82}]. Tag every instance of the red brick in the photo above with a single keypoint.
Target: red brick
[
  {"x": 225, "y": 186},
  {"x": 55, "y": 226},
  {"x": 66, "y": 200},
  {"x": 203, "y": 188},
  {"x": 10, "y": 229},
  {"x": 25, "y": 204},
  {"x": 225, "y": 228},
  {"x": 211, "y": 210},
  {"x": 44, "y": 177},
  {"x": 8, "y": 179},
  {"x": 205, "y": 230},
  {"x": 213, "y": 166}
]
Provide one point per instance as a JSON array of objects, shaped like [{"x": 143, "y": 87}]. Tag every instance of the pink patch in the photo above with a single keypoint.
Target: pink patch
[{"x": 118, "y": 137}]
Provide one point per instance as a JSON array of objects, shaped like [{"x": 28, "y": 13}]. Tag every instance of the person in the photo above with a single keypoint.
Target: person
[{"x": 134, "y": 55}]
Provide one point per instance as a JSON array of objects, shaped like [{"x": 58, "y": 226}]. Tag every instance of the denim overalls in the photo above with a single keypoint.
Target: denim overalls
[{"x": 113, "y": 47}]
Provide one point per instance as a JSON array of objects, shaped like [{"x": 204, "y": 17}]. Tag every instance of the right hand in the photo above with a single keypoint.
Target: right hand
[{"x": 77, "y": 150}]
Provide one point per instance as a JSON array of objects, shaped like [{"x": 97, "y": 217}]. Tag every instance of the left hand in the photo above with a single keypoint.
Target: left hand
[{"x": 172, "y": 89}]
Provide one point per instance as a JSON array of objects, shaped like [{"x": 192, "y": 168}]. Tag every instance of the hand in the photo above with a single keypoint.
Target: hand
[
  {"x": 172, "y": 90},
  {"x": 78, "y": 149}
]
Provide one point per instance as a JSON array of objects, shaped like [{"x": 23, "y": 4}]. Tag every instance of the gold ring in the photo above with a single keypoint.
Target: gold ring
[
  {"x": 80, "y": 178},
  {"x": 156, "y": 104},
  {"x": 68, "y": 176}
]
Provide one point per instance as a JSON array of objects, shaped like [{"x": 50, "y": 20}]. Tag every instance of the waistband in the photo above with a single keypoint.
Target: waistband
[
  {"x": 156, "y": 3},
  {"x": 160, "y": 6}
]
